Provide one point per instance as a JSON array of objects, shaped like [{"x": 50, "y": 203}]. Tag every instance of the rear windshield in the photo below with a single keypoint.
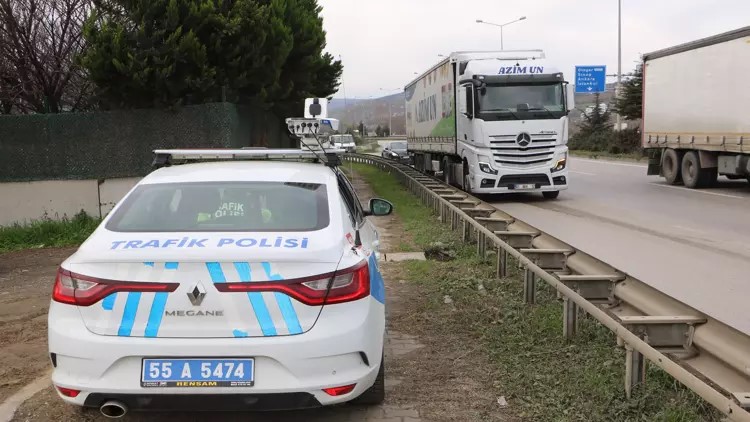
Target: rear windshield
[
  {"x": 220, "y": 207},
  {"x": 398, "y": 145}
]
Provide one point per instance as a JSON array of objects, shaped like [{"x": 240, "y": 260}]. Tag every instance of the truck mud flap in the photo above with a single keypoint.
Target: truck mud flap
[{"x": 654, "y": 163}]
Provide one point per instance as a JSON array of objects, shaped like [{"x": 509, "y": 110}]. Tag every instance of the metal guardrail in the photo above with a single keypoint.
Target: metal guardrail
[{"x": 707, "y": 356}]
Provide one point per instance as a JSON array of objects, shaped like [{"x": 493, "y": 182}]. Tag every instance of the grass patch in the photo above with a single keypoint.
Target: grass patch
[
  {"x": 631, "y": 156},
  {"x": 48, "y": 233},
  {"x": 542, "y": 376}
]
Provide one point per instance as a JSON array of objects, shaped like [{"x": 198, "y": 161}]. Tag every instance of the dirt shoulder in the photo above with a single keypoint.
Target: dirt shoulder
[{"x": 26, "y": 279}]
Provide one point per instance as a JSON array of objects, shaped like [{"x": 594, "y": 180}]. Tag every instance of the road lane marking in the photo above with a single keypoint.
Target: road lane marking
[
  {"x": 582, "y": 172},
  {"x": 698, "y": 191},
  {"x": 574, "y": 158}
]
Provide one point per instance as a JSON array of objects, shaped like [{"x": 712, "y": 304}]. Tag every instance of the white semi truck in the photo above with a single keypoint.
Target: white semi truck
[
  {"x": 696, "y": 110},
  {"x": 492, "y": 122}
]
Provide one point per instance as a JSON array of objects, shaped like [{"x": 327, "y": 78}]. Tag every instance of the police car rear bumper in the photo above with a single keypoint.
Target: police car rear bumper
[
  {"x": 207, "y": 402},
  {"x": 345, "y": 347}
]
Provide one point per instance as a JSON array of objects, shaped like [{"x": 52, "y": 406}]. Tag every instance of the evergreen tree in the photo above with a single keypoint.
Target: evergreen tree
[
  {"x": 630, "y": 101},
  {"x": 171, "y": 52},
  {"x": 598, "y": 121}
]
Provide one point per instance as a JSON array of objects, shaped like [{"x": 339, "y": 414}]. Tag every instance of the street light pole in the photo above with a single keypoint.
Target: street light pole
[
  {"x": 502, "y": 46},
  {"x": 619, "y": 58}
]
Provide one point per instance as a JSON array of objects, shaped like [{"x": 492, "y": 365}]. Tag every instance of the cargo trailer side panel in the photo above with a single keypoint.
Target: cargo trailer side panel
[
  {"x": 430, "y": 111},
  {"x": 699, "y": 98}
]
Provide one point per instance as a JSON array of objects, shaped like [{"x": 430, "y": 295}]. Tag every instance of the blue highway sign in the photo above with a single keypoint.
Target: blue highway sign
[{"x": 591, "y": 79}]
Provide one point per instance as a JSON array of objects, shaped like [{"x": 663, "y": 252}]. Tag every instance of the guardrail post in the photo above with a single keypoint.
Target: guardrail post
[
  {"x": 502, "y": 263},
  {"x": 570, "y": 317},
  {"x": 635, "y": 369},
  {"x": 529, "y": 286},
  {"x": 481, "y": 245}
]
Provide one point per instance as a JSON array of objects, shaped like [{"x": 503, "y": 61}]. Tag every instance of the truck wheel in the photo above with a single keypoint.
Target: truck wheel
[
  {"x": 551, "y": 194},
  {"x": 671, "y": 167},
  {"x": 694, "y": 175}
]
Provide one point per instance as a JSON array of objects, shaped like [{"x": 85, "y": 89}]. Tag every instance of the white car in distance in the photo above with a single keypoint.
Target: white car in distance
[{"x": 249, "y": 282}]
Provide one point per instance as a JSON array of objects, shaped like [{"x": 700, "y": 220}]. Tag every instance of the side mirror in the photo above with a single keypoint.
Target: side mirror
[
  {"x": 380, "y": 207},
  {"x": 466, "y": 101},
  {"x": 570, "y": 97}
]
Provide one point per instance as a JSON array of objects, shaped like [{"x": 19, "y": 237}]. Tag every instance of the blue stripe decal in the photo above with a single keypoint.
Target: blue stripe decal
[
  {"x": 171, "y": 265},
  {"x": 217, "y": 274},
  {"x": 148, "y": 264},
  {"x": 128, "y": 317},
  {"x": 239, "y": 333},
  {"x": 257, "y": 302},
  {"x": 157, "y": 312},
  {"x": 109, "y": 302},
  {"x": 285, "y": 303},
  {"x": 377, "y": 285},
  {"x": 261, "y": 312}
]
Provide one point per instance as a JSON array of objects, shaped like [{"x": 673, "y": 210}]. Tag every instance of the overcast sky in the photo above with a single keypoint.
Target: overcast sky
[{"x": 383, "y": 42}]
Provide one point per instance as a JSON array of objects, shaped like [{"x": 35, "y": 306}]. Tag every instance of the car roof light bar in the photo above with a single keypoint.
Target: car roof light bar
[{"x": 167, "y": 157}]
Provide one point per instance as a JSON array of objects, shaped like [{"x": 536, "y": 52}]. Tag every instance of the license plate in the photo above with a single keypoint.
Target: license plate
[
  {"x": 526, "y": 186},
  {"x": 198, "y": 373}
]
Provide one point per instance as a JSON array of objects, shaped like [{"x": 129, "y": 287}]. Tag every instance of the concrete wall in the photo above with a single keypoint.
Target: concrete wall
[{"x": 23, "y": 202}]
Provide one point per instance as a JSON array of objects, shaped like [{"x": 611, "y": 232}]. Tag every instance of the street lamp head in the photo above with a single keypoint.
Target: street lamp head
[
  {"x": 480, "y": 21},
  {"x": 522, "y": 18}
]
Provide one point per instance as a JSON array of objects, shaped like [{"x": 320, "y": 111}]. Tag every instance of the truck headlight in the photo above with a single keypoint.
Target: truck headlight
[
  {"x": 560, "y": 164},
  {"x": 485, "y": 166}
]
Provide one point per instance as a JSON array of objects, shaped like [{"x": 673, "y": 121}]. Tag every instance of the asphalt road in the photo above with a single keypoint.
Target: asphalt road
[{"x": 691, "y": 244}]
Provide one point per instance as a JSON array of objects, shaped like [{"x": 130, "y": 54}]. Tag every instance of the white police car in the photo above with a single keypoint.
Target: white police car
[{"x": 224, "y": 285}]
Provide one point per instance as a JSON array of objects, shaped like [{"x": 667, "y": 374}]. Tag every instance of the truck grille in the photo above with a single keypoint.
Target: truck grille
[{"x": 508, "y": 153}]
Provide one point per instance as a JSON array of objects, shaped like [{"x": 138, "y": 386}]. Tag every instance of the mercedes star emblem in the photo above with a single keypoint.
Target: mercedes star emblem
[
  {"x": 197, "y": 294},
  {"x": 523, "y": 139}
]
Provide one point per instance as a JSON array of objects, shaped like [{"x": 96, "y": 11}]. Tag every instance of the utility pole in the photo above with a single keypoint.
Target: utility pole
[{"x": 343, "y": 87}]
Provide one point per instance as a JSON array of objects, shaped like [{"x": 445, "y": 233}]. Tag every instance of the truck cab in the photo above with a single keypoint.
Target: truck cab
[{"x": 511, "y": 124}]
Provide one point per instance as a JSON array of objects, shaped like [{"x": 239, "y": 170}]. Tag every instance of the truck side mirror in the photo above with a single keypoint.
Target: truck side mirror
[
  {"x": 466, "y": 101},
  {"x": 570, "y": 97}
]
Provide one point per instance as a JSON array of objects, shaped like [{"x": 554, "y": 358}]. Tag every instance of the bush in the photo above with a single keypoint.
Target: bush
[
  {"x": 623, "y": 142},
  {"x": 48, "y": 233}
]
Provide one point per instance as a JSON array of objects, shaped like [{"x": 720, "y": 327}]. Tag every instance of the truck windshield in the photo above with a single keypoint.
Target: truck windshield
[
  {"x": 343, "y": 139},
  {"x": 522, "y": 101}
]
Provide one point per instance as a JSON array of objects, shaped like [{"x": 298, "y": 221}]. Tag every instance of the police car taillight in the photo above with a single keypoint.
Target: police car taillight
[
  {"x": 345, "y": 286},
  {"x": 81, "y": 290}
]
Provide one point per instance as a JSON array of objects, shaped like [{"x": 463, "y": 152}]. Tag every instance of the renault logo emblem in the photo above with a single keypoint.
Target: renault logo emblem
[
  {"x": 523, "y": 139},
  {"x": 197, "y": 294}
]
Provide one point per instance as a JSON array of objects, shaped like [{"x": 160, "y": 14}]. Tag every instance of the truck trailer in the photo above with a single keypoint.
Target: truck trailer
[
  {"x": 696, "y": 110},
  {"x": 492, "y": 122}
]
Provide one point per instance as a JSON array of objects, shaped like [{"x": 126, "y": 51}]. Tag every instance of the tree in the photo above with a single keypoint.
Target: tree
[
  {"x": 596, "y": 132},
  {"x": 379, "y": 131},
  {"x": 629, "y": 104},
  {"x": 386, "y": 131},
  {"x": 307, "y": 72},
  {"x": 362, "y": 129},
  {"x": 171, "y": 52},
  {"x": 598, "y": 120},
  {"x": 39, "y": 42}
]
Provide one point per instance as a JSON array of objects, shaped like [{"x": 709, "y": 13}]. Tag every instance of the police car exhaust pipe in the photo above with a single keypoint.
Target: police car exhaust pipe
[{"x": 113, "y": 409}]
